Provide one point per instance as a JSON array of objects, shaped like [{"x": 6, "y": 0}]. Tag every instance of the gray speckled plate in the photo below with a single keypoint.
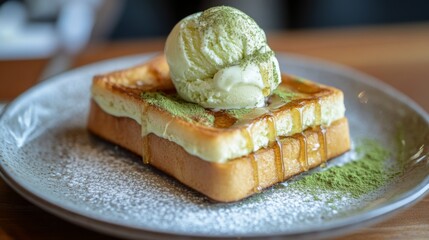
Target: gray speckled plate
[{"x": 47, "y": 156}]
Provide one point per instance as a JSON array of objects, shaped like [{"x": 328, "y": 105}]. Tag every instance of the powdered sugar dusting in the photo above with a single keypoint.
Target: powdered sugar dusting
[
  {"x": 50, "y": 153},
  {"x": 86, "y": 173}
]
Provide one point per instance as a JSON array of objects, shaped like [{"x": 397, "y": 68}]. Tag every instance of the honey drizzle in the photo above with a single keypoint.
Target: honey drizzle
[
  {"x": 248, "y": 137},
  {"x": 323, "y": 147},
  {"x": 256, "y": 185},
  {"x": 146, "y": 149},
  {"x": 223, "y": 119},
  {"x": 296, "y": 108},
  {"x": 271, "y": 122},
  {"x": 298, "y": 121},
  {"x": 276, "y": 146},
  {"x": 253, "y": 161},
  {"x": 297, "y": 118},
  {"x": 321, "y": 133},
  {"x": 146, "y": 153},
  {"x": 318, "y": 111},
  {"x": 278, "y": 157},
  {"x": 303, "y": 157}
]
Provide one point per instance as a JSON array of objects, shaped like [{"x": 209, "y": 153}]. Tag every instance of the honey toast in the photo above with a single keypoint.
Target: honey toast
[{"x": 226, "y": 155}]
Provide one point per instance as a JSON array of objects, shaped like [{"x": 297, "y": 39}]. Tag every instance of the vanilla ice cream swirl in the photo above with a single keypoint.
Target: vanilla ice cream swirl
[{"x": 220, "y": 59}]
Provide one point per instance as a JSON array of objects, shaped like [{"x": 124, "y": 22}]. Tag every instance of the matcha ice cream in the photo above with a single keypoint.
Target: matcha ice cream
[{"x": 220, "y": 59}]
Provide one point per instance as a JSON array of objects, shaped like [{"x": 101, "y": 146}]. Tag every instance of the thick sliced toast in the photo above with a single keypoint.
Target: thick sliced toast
[
  {"x": 226, "y": 155},
  {"x": 215, "y": 136}
]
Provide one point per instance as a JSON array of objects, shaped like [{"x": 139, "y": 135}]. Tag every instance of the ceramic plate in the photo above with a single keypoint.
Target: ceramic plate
[{"x": 47, "y": 155}]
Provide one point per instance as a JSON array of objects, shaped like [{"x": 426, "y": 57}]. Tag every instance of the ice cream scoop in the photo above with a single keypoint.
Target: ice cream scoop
[{"x": 220, "y": 59}]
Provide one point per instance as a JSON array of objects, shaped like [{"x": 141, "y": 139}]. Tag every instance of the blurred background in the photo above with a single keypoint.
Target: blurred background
[{"x": 49, "y": 33}]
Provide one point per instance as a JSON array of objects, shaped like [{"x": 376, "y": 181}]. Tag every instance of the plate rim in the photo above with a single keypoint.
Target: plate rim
[{"x": 346, "y": 224}]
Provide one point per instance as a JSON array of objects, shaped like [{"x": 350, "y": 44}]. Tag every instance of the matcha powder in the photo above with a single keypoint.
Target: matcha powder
[
  {"x": 178, "y": 107},
  {"x": 364, "y": 175}
]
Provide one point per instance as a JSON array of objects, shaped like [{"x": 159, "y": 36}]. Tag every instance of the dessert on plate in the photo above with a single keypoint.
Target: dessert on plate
[{"x": 216, "y": 113}]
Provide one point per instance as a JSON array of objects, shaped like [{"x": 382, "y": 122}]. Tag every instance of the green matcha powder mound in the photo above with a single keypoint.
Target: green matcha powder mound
[{"x": 356, "y": 178}]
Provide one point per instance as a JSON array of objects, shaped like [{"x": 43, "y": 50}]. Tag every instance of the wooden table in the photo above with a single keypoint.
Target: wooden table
[{"x": 398, "y": 55}]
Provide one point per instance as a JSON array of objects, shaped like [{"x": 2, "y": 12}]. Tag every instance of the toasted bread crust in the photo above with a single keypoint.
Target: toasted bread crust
[{"x": 224, "y": 182}]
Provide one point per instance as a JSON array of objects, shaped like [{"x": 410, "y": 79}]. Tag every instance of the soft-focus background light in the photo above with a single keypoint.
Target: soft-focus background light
[
  {"x": 44, "y": 36},
  {"x": 39, "y": 28}
]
